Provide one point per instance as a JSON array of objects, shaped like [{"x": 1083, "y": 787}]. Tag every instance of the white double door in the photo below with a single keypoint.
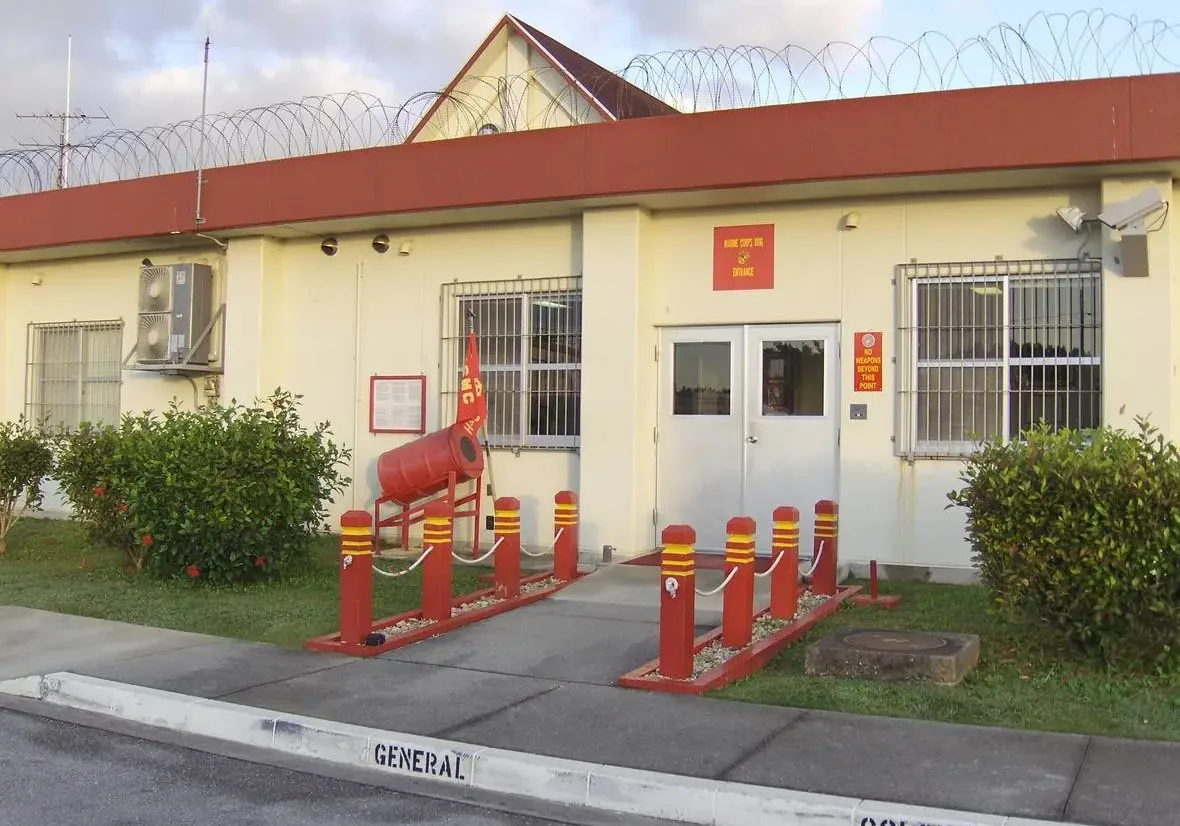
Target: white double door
[{"x": 748, "y": 421}]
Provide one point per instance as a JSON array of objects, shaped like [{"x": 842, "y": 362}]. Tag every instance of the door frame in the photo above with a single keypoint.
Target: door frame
[{"x": 743, "y": 331}]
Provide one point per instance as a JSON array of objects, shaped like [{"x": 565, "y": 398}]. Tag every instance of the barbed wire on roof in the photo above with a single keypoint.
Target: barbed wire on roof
[{"x": 1050, "y": 46}]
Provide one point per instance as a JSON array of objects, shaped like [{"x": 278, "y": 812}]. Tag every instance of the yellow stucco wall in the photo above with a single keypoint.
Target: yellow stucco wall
[
  {"x": 85, "y": 290},
  {"x": 310, "y": 344},
  {"x": 320, "y": 326}
]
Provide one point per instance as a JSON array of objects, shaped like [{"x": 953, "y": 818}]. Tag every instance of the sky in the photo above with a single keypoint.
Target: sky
[{"x": 139, "y": 62}]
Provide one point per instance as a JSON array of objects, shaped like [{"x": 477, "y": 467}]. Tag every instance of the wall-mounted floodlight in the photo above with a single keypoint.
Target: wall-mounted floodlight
[{"x": 1074, "y": 216}]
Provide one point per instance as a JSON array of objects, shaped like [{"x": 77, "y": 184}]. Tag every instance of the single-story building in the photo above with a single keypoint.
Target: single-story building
[{"x": 682, "y": 317}]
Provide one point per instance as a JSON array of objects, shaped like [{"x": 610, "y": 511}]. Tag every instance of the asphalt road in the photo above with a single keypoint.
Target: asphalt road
[{"x": 54, "y": 772}]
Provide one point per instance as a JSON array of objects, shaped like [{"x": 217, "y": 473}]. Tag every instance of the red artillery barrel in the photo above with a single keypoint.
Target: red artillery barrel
[{"x": 420, "y": 468}]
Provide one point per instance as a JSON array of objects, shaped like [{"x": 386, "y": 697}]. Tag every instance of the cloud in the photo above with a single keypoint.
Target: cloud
[
  {"x": 140, "y": 61},
  {"x": 773, "y": 23}
]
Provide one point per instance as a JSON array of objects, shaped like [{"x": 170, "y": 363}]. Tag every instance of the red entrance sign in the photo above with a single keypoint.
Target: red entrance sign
[
  {"x": 743, "y": 257},
  {"x": 868, "y": 363}
]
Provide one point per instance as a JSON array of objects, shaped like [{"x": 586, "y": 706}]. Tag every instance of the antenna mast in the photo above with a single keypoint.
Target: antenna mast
[
  {"x": 65, "y": 120},
  {"x": 199, "y": 218}
]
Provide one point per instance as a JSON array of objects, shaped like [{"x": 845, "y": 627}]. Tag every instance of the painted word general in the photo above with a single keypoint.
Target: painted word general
[{"x": 447, "y": 765}]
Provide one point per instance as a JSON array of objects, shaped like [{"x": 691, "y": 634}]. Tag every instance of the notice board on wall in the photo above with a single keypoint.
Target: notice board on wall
[
  {"x": 743, "y": 257},
  {"x": 868, "y": 362},
  {"x": 397, "y": 404}
]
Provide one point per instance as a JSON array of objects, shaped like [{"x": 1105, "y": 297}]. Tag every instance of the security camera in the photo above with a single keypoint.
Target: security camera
[
  {"x": 329, "y": 246},
  {"x": 147, "y": 262},
  {"x": 1132, "y": 213},
  {"x": 381, "y": 243}
]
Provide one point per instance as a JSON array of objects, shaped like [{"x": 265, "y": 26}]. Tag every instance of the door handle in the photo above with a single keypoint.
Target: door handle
[{"x": 752, "y": 440}]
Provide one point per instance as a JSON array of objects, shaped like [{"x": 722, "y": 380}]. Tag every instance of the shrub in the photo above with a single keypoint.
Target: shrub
[
  {"x": 26, "y": 459},
  {"x": 226, "y": 493},
  {"x": 88, "y": 462},
  {"x": 1083, "y": 531}
]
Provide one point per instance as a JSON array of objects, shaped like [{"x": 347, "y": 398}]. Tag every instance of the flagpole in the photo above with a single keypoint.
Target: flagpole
[{"x": 487, "y": 450}]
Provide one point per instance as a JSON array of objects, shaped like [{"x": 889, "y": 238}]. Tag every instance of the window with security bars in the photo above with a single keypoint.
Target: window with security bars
[
  {"x": 74, "y": 373},
  {"x": 987, "y": 350},
  {"x": 530, "y": 352}
]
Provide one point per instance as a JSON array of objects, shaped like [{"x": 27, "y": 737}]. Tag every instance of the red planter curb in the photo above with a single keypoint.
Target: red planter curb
[
  {"x": 885, "y": 602},
  {"x": 740, "y": 665},
  {"x": 331, "y": 642}
]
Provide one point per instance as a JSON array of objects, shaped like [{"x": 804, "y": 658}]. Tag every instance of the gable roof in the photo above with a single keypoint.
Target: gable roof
[
  {"x": 624, "y": 100},
  {"x": 611, "y": 96}
]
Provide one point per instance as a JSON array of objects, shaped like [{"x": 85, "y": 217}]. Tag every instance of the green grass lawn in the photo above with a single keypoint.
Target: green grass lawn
[
  {"x": 1024, "y": 680},
  {"x": 49, "y": 566}
]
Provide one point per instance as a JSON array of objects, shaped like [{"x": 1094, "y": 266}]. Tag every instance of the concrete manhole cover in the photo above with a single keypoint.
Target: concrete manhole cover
[{"x": 895, "y": 641}]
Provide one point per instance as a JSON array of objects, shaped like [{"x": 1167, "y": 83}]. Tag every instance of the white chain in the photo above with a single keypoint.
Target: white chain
[
  {"x": 823, "y": 544},
  {"x": 394, "y": 574},
  {"x": 556, "y": 537},
  {"x": 495, "y": 545},
  {"x": 773, "y": 565},
  {"x": 724, "y": 582}
]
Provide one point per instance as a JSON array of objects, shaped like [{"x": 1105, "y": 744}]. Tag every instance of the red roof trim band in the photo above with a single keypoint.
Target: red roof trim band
[{"x": 1125, "y": 120}]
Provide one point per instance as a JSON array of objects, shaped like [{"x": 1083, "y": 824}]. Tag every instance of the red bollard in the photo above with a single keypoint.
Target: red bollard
[
  {"x": 438, "y": 567},
  {"x": 565, "y": 536},
  {"x": 737, "y": 613},
  {"x": 677, "y": 601},
  {"x": 875, "y": 599},
  {"x": 784, "y": 582},
  {"x": 823, "y": 578},
  {"x": 507, "y": 557},
  {"x": 356, "y": 577}
]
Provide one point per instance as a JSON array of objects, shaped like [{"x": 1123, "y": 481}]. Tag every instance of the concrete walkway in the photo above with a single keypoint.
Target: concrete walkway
[{"x": 540, "y": 680}]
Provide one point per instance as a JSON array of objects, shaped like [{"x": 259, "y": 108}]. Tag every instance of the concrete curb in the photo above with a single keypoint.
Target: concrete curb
[{"x": 555, "y": 780}]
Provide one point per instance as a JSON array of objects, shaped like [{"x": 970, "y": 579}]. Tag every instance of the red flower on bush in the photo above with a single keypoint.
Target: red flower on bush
[
  {"x": 259, "y": 561},
  {"x": 147, "y": 540},
  {"x": 193, "y": 571},
  {"x": 100, "y": 490},
  {"x": 123, "y": 507}
]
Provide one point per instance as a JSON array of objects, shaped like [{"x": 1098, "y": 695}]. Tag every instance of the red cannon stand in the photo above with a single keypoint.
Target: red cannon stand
[{"x": 413, "y": 473}]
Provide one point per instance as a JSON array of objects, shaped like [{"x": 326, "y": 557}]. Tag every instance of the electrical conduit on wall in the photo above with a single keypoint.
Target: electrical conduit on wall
[{"x": 356, "y": 381}]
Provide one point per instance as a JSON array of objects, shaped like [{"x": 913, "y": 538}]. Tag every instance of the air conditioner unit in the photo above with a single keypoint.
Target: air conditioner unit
[{"x": 175, "y": 307}]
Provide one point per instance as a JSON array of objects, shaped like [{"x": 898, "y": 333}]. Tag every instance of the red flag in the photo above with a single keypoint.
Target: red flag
[{"x": 473, "y": 404}]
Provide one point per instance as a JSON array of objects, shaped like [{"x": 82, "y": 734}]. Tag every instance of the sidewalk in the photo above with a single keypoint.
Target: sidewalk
[{"x": 540, "y": 680}]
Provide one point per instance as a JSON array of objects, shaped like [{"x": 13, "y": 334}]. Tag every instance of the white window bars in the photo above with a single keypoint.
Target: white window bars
[
  {"x": 530, "y": 349},
  {"x": 985, "y": 350}
]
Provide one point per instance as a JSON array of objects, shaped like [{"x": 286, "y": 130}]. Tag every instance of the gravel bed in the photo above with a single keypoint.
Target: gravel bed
[
  {"x": 715, "y": 653},
  {"x": 406, "y": 626}
]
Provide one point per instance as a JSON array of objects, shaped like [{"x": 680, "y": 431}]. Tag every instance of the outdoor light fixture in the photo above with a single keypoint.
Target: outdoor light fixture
[
  {"x": 405, "y": 248},
  {"x": 329, "y": 246},
  {"x": 1073, "y": 216},
  {"x": 1130, "y": 214},
  {"x": 381, "y": 243}
]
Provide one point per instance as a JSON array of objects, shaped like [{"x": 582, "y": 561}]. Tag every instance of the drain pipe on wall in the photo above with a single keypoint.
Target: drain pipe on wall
[{"x": 356, "y": 379}]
